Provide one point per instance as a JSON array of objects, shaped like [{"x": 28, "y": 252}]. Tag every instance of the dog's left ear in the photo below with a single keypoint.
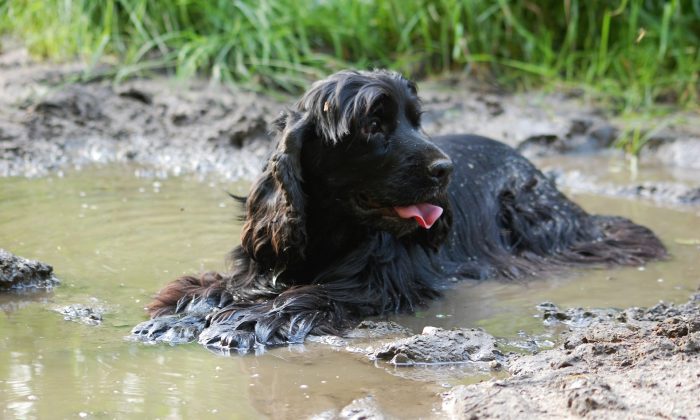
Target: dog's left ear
[{"x": 274, "y": 232}]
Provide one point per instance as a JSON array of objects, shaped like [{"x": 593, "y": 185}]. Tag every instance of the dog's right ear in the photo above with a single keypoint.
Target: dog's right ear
[{"x": 274, "y": 233}]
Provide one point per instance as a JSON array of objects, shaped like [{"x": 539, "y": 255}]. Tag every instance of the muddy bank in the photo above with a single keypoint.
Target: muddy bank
[
  {"x": 634, "y": 363},
  {"x": 49, "y": 122},
  {"x": 606, "y": 363},
  {"x": 141, "y": 122}
]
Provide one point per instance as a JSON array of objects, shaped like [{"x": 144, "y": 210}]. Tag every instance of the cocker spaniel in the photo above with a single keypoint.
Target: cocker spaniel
[{"x": 358, "y": 212}]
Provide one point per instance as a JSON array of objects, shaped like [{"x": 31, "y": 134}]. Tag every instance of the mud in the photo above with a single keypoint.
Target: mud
[
  {"x": 17, "y": 273},
  {"x": 49, "y": 122},
  {"x": 84, "y": 314},
  {"x": 605, "y": 362},
  {"x": 608, "y": 363},
  {"x": 633, "y": 363},
  {"x": 436, "y": 345}
]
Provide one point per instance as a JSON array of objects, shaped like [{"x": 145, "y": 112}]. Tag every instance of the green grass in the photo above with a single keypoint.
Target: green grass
[{"x": 638, "y": 52}]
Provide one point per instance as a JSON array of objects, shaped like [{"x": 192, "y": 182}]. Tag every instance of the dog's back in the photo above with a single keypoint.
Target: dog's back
[{"x": 510, "y": 220}]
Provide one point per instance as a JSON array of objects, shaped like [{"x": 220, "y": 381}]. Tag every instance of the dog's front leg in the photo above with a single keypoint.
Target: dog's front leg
[{"x": 286, "y": 319}]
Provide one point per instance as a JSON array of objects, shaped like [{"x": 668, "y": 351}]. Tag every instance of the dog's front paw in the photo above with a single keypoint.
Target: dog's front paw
[
  {"x": 172, "y": 329},
  {"x": 224, "y": 337}
]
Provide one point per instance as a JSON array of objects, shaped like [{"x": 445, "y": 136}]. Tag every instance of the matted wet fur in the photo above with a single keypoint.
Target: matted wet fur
[{"x": 344, "y": 222}]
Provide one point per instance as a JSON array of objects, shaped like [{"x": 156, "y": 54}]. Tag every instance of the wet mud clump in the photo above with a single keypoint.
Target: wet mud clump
[
  {"x": 436, "y": 345},
  {"x": 83, "y": 314},
  {"x": 17, "y": 273}
]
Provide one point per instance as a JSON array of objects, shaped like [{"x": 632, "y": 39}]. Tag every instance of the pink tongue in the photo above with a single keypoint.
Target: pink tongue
[{"x": 424, "y": 213}]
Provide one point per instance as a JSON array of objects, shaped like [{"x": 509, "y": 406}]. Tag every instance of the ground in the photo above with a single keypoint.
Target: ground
[
  {"x": 625, "y": 364},
  {"x": 636, "y": 364}
]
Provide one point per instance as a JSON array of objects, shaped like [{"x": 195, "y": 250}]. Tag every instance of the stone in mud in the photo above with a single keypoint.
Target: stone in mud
[
  {"x": 663, "y": 311},
  {"x": 82, "y": 314},
  {"x": 541, "y": 145},
  {"x": 493, "y": 105},
  {"x": 436, "y": 345},
  {"x": 20, "y": 273}
]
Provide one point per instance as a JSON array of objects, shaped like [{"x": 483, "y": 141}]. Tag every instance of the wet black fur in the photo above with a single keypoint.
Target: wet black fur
[{"x": 319, "y": 249}]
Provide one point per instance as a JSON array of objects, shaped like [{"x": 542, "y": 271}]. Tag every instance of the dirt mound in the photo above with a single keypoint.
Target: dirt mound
[{"x": 636, "y": 364}]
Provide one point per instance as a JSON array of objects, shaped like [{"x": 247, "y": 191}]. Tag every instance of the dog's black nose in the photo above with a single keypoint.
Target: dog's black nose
[{"x": 441, "y": 169}]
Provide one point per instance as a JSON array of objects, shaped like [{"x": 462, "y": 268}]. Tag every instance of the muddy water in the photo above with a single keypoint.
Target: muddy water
[{"x": 114, "y": 238}]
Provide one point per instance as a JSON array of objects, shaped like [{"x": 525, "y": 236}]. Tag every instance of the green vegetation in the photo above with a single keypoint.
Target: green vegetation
[{"x": 639, "y": 52}]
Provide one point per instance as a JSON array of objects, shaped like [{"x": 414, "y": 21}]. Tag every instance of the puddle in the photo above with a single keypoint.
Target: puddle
[{"x": 115, "y": 238}]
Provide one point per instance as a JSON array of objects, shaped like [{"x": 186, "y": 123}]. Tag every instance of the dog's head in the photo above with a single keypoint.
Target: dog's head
[{"x": 353, "y": 142}]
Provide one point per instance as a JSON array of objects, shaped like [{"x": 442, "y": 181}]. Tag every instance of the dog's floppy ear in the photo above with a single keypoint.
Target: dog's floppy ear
[{"x": 274, "y": 232}]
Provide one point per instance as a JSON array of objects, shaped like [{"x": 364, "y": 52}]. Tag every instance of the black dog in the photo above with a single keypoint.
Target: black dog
[{"x": 354, "y": 215}]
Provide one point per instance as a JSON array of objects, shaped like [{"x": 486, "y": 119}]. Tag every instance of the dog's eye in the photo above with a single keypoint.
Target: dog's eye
[{"x": 374, "y": 127}]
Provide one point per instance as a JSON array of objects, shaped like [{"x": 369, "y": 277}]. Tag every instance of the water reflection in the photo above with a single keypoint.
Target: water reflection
[
  {"x": 18, "y": 383},
  {"x": 11, "y": 301}
]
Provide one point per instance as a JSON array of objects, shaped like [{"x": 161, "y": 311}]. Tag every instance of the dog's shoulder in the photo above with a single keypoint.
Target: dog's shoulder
[
  {"x": 471, "y": 142},
  {"x": 479, "y": 151}
]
